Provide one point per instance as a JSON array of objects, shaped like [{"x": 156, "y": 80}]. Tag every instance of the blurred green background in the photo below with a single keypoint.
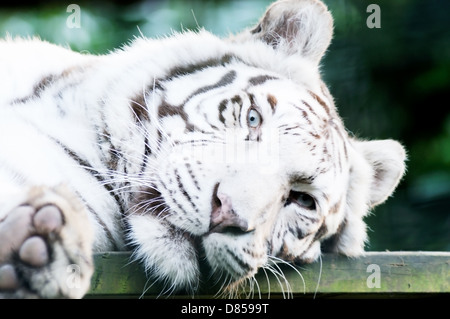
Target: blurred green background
[{"x": 388, "y": 82}]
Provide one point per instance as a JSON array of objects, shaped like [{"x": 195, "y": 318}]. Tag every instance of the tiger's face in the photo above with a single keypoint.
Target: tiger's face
[
  {"x": 251, "y": 161},
  {"x": 253, "y": 170}
]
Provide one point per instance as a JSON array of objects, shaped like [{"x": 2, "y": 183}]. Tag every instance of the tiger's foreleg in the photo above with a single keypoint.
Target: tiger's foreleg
[{"x": 46, "y": 246}]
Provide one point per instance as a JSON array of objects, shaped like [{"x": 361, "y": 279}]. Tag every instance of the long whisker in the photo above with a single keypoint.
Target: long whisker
[
  {"x": 276, "y": 274},
  {"x": 257, "y": 286},
  {"x": 320, "y": 275},
  {"x": 146, "y": 288},
  {"x": 268, "y": 281},
  {"x": 288, "y": 286},
  {"x": 293, "y": 267}
]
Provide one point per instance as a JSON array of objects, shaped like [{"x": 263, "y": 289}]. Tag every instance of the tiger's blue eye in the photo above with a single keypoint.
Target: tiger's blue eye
[{"x": 254, "y": 118}]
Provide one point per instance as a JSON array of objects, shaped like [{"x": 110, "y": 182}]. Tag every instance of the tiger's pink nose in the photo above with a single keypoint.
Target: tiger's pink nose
[{"x": 224, "y": 219}]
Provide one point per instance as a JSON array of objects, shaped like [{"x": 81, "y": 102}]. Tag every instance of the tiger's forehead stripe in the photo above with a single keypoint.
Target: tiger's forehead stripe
[
  {"x": 225, "y": 80},
  {"x": 181, "y": 70},
  {"x": 261, "y": 79}
]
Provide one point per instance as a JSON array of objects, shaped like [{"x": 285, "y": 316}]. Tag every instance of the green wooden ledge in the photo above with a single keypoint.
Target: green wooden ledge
[{"x": 391, "y": 274}]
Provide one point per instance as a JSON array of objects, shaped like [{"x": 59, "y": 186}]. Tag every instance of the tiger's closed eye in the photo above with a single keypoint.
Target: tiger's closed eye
[{"x": 302, "y": 199}]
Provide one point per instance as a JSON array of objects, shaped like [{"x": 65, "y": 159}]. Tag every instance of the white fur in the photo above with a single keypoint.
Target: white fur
[{"x": 91, "y": 95}]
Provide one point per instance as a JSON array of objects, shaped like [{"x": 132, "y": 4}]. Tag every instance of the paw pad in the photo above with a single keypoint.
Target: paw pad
[
  {"x": 39, "y": 240},
  {"x": 34, "y": 252},
  {"x": 48, "y": 219},
  {"x": 8, "y": 278}
]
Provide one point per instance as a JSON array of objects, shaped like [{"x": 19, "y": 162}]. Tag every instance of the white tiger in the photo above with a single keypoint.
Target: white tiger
[{"x": 186, "y": 150}]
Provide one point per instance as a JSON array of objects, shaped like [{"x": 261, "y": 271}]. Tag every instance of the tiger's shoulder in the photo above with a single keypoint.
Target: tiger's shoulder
[{"x": 25, "y": 62}]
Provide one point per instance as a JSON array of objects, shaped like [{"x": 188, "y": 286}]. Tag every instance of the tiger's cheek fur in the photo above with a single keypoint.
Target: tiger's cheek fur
[{"x": 164, "y": 251}]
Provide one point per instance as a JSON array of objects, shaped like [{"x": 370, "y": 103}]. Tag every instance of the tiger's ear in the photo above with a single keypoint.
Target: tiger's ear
[
  {"x": 303, "y": 27},
  {"x": 387, "y": 161},
  {"x": 377, "y": 168}
]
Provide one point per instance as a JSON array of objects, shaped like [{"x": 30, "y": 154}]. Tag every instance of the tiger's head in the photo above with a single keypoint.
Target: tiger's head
[{"x": 248, "y": 157}]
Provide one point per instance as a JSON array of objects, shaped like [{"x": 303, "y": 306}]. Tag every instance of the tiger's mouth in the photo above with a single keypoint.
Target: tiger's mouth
[
  {"x": 227, "y": 249},
  {"x": 221, "y": 254},
  {"x": 227, "y": 264}
]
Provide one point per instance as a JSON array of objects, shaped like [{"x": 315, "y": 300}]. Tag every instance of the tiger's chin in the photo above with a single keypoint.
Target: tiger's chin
[
  {"x": 180, "y": 260},
  {"x": 233, "y": 258}
]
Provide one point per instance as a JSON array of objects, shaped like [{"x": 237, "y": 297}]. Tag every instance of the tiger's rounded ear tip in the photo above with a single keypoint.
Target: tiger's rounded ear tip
[
  {"x": 393, "y": 145},
  {"x": 296, "y": 27}
]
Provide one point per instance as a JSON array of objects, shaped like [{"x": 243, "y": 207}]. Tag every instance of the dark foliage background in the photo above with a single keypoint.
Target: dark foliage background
[{"x": 388, "y": 82}]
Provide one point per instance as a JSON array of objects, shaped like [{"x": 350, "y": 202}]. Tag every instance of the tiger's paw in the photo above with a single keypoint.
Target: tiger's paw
[{"x": 46, "y": 248}]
